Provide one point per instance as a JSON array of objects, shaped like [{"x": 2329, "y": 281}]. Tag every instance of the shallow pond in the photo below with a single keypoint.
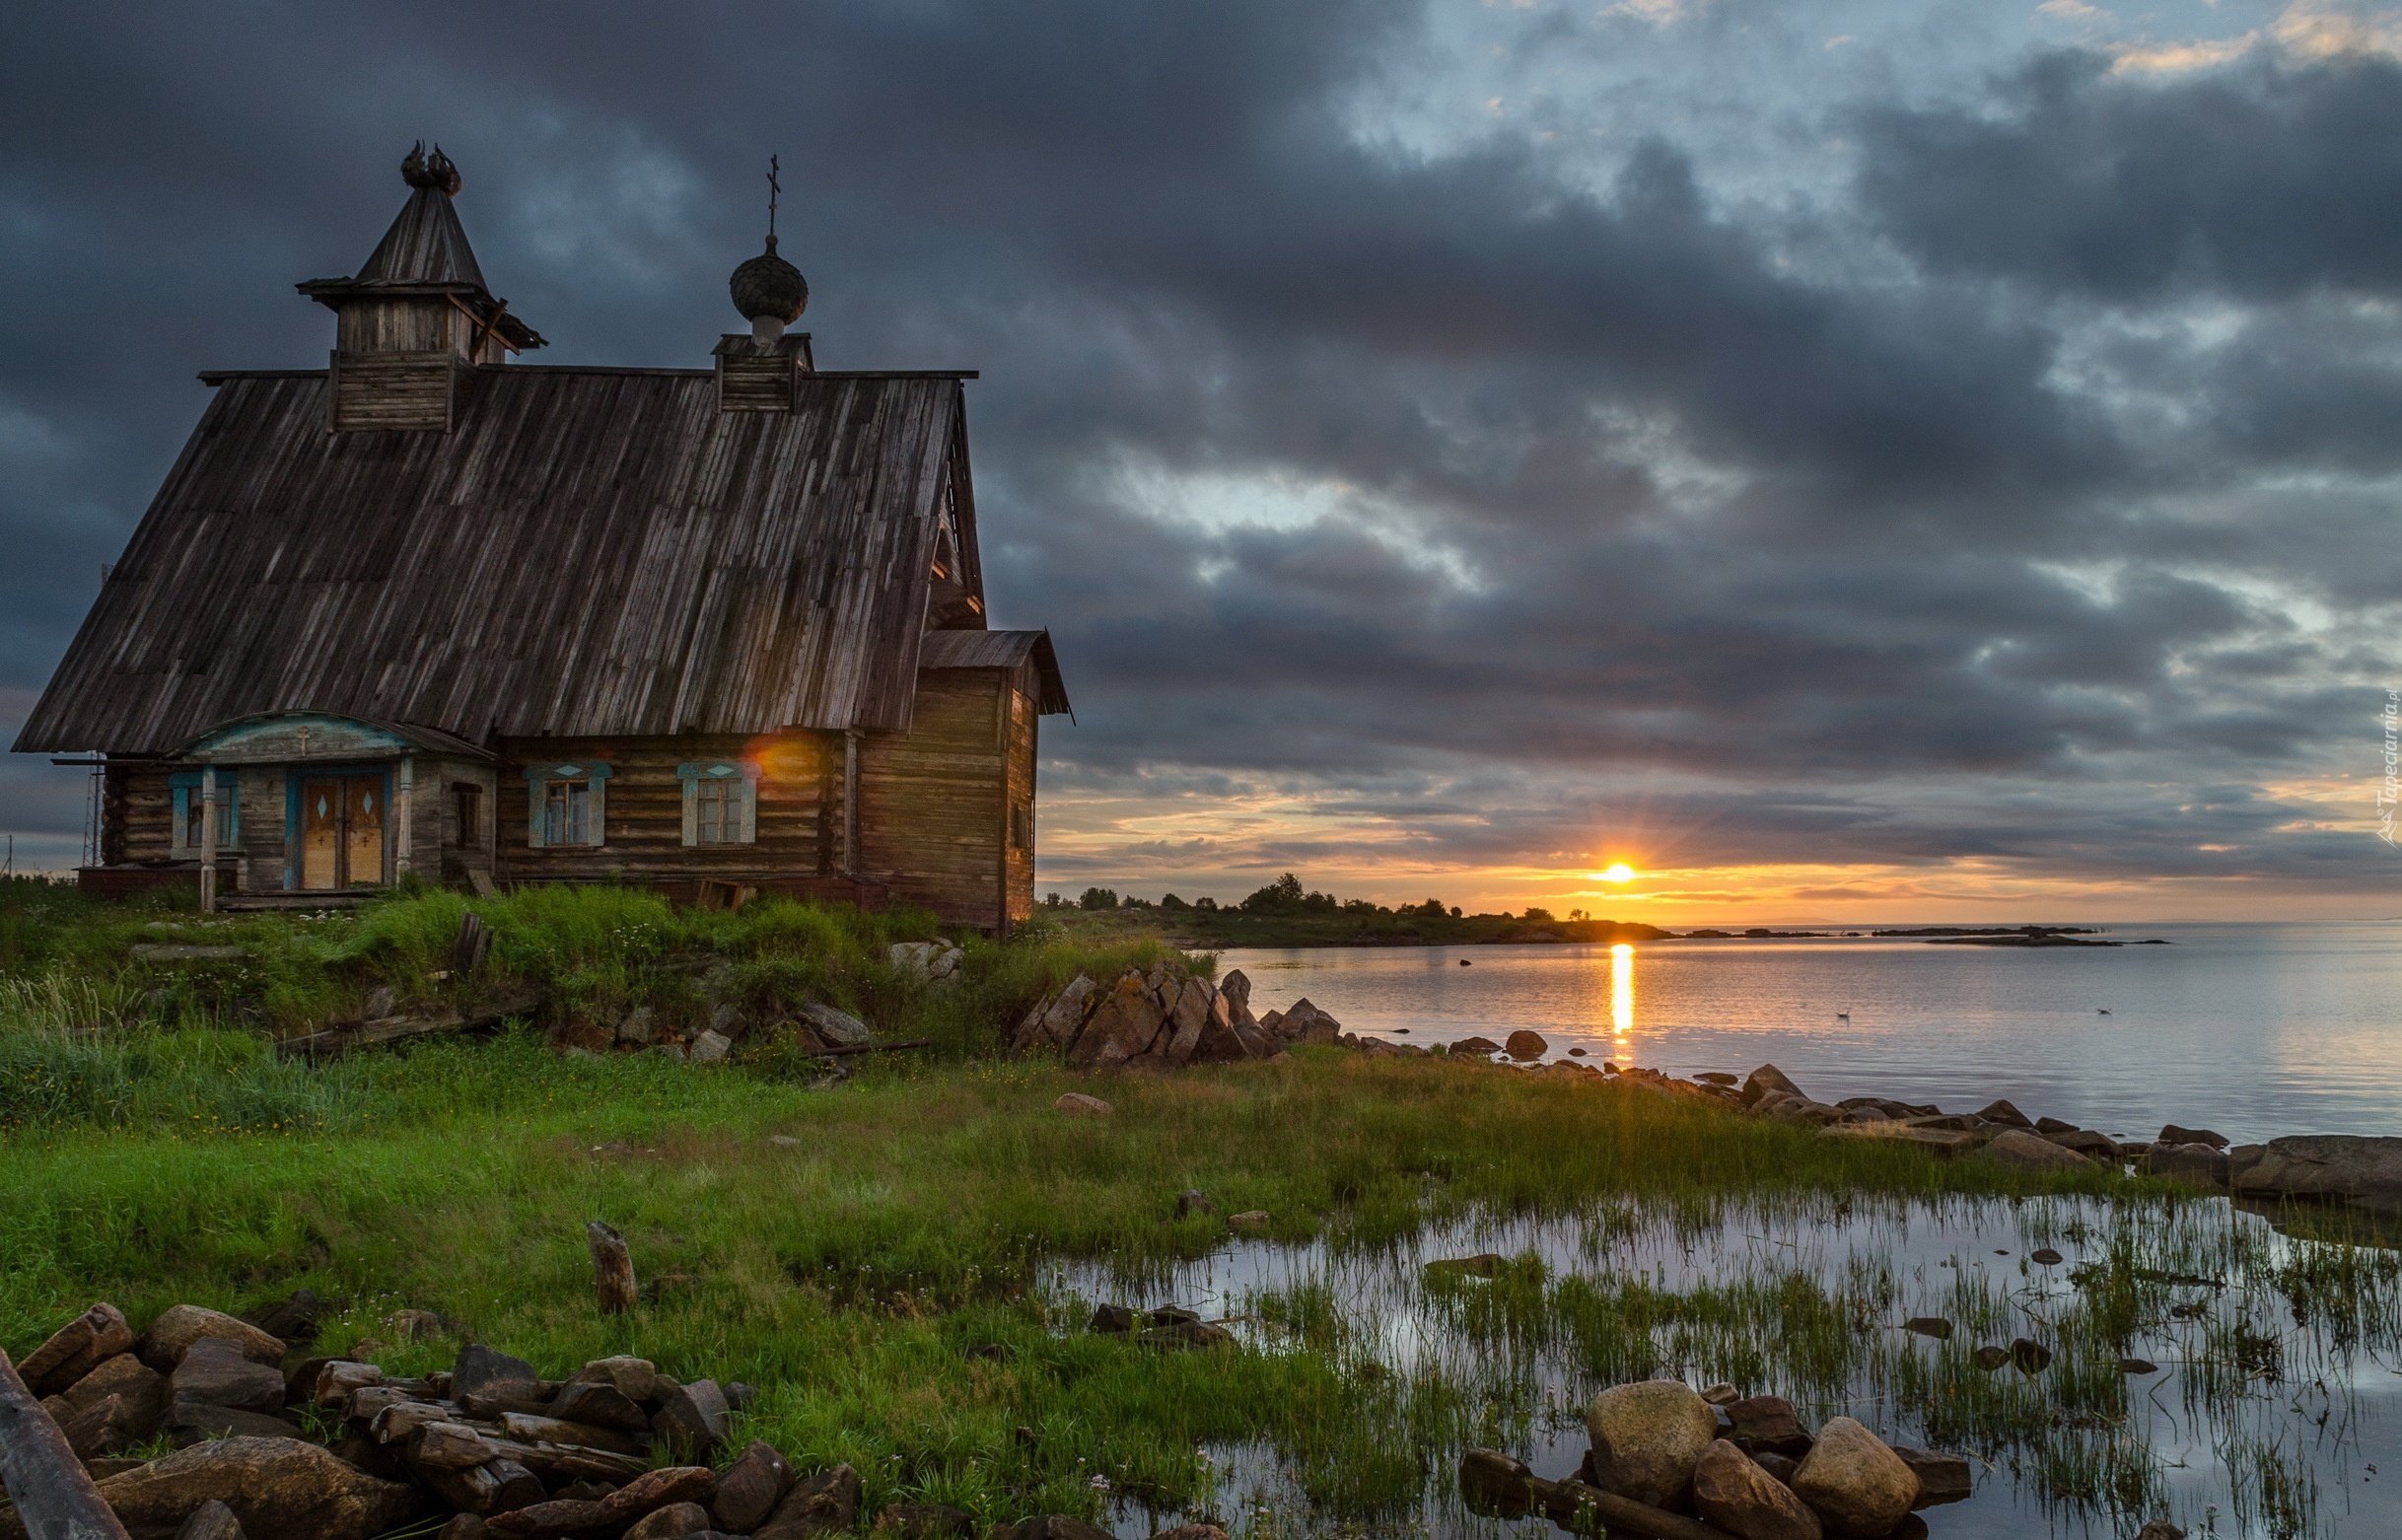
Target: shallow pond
[{"x": 2274, "y": 1406}]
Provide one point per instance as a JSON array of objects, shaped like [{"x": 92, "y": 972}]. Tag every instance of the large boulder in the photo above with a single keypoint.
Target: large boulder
[
  {"x": 75, "y": 1350},
  {"x": 1221, "y": 1042},
  {"x": 2358, "y": 1170},
  {"x": 278, "y": 1489},
  {"x": 1123, "y": 1025},
  {"x": 171, "y": 1335},
  {"x": 1525, "y": 1045},
  {"x": 1765, "y": 1081},
  {"x": 1767, "y": 1425},
  {"x": 693, "y": 1418},
  {"x": 1858, "y": 1484},
  {"x": 1307, "y": 1023},
  {"x": 2021, "y": 1150},
  {"x": 1648, "y": 1438},
  {"x": 1732, "y": 1493},
  {"x": 636, "y": 1380},
  {"x": 485, "y": 1372}
]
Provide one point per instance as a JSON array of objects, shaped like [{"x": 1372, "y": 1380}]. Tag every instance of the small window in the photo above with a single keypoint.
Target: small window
[
  {"x": 189, "y": 801},
  {"x": 467, "y": 801},
  {"x": 1021, "y": 826},
  {"x": 720, "y": 802},
  {"x": 567, "y": 803}
]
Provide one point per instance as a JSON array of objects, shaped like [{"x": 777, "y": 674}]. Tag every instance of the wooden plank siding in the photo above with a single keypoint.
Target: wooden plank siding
[
  {"x": 1026, "y": 727},
  {"x": 643, "y": 811},
  {"x": 933, "y": 800}
]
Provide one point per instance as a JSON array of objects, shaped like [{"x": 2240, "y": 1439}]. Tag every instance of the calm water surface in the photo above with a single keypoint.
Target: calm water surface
[{"x": 2255, "y": 1030}]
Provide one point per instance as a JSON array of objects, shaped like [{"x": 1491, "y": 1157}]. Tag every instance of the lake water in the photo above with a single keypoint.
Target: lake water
[{"x": 2255, "y": 1030}]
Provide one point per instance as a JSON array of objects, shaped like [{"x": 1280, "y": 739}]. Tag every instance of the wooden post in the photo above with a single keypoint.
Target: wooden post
[
  {"x": 402, "y": 801},
  {"x": 54, "y": 1495},
  {"x": 850, "y": 802},
  {"x": 612, "y": 1268},
  {"x": 208, "y": 839}
]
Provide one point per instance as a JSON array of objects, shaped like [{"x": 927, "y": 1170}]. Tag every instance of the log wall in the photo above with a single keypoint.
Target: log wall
[
  {"x": 933, "y": 808},
  {"x": 643, "y": 816}
]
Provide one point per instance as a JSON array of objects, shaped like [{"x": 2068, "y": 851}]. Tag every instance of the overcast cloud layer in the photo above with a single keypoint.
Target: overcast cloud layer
[{"x": 1842, "y": 458}]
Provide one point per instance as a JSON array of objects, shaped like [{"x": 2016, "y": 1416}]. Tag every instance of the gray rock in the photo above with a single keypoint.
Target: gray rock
[
  {"x": 1647, "y": 1438},
  {"x": 1855, "y": 1482},
  {"x": 2171, "y": 1134},
  {"x": 1122, "y": 1025},
  {"x": 824, "y": 1504},
  {"x": 1307, "y": 1023},
  {"x": 1048, "y": 1526},
  {"x": 1077, "y": 1104},
  {"x": 2004, "y": 1112},
  {"x": 487, "y": 1372},
  {"x": 748, "y": 1490},
  {"x": 1767, "y": 1424},
  {"x": 1188, "y": 1018},
  {"x": 2085, "y": 1142},
  {"x": 2159, "y": 1529},
  {"x": 637, "y": 1027},
  {"x": 835, "y": 1028},
  {"x": 171, "y": 1335},
  {"x": 2356, "y": 1170},
  {"x": 2025, "y": 1151},
  {"x": 1055, "y": 1020},
  {"x": 277, "y": 1488},
  {"x": 451, "y": 1446},
  {"x": 1235, "y": 990},
  {"x": 215, "y": 1372},
  {"x": 1941, "y": 1478},
  {"x": 191, "y": 1422},
  {"x": 671, "y": 1522},
  {"x": 76, "y": 1348},
  {"x": 601, "y": 1405},
  {"x": 211, "y": 1520},
  {"x": 1735, "y": 1495},
  {"x": 693, "y": 1416},
  {"x": 636, "y": 1380},
  {"x": 1766, "y": 1081},
  {"x": 1190, "y": 1203},
  {"x": 2194, "y": 1164},
  {"x": 141, "y": 1393},
  {"x": 711, "y": 1047}
]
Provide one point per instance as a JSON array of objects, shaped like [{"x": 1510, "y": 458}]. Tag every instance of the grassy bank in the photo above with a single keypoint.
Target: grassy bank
[{"x": 845, "y": 1246}]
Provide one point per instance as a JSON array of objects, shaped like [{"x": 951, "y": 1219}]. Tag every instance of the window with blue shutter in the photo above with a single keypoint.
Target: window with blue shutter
[
  {"x": 567, "y": 802},
  {"x": 185, "y": 786},
  {"x": 720, "y": 802}
]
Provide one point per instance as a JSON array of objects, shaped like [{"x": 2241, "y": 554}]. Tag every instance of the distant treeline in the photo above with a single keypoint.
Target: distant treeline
[{"x": 1286, "y": 913}]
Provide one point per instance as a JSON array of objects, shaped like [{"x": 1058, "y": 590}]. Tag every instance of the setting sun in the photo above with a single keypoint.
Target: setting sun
[{"x": 1618, "y": 871}]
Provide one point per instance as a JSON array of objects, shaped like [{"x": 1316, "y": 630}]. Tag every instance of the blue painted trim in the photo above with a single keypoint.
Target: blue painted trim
[
  {"x": 292, "y": 818},
  {"x": 717, "y": 770},
  {"x": 569, "y": 770}
]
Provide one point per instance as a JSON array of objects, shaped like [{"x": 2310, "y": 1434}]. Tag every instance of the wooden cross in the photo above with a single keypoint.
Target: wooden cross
[{"x": 773, "y": 187}]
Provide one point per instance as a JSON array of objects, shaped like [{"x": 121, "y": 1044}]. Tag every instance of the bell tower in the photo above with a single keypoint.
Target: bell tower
[{"x": 416, "y": 316}]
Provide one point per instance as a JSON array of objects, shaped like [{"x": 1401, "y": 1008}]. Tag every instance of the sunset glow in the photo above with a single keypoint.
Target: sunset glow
[
  {"x": 1621, "y": 989},
  {"x": 1617, "y": 871}
]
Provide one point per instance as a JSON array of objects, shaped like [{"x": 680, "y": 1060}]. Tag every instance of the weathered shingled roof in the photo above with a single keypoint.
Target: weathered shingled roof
[{"x": 592, "y": 551}]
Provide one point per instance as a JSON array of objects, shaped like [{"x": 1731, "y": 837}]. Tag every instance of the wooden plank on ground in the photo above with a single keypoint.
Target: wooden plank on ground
[{"x": 54, "y": 1495}]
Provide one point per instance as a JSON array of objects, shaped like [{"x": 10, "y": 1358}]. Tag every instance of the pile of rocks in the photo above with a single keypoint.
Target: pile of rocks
[
  {"x": 615, "y": 1451},
  {"x": 1164, "y": 1020},
  {"x": 1746, "y": 1466},
  {"x": 506, "y": 1451}
]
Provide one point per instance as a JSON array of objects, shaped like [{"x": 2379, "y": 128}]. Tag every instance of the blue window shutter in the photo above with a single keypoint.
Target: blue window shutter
[
  {"x": 598, "y": 834},
  {"x": 691, "y": 790},
  {"x": 184, "y": 814},
  {"x": 748, "y": 792}
]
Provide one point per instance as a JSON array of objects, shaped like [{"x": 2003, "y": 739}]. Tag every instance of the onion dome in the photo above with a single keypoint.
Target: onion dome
[
  {"x": 435, "y": 170},
  {"x": 767, "y": 287}
]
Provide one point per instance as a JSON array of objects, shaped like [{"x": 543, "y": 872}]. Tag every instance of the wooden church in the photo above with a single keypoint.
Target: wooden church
[{"x": 429, "y": 611}]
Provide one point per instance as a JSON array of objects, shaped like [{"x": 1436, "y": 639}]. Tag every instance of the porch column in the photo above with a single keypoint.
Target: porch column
[
  {"x": 402, "y": 801},
  {"x": 208, "y": 839}
]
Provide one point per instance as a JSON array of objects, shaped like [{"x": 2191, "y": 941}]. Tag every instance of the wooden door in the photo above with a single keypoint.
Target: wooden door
[
  {"x": 363, "y": 831},
  {"x": 321, "y": 834}
]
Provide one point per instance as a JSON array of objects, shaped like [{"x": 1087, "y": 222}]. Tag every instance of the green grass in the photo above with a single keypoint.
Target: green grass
[{"x": 154, "y": 1149}]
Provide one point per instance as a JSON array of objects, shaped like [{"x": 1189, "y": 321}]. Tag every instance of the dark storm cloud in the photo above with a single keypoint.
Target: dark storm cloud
[
  {"x": 2265, "y": 181},
  {"x": 1608, "y": 482}
]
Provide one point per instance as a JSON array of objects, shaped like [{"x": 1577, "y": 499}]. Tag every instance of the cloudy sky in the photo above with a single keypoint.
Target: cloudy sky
[{"x": 1845, "y": 458}]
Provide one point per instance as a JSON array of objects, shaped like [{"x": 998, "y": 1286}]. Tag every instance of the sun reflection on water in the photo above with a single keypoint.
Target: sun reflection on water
[{"x": 1622, "y": 989}]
